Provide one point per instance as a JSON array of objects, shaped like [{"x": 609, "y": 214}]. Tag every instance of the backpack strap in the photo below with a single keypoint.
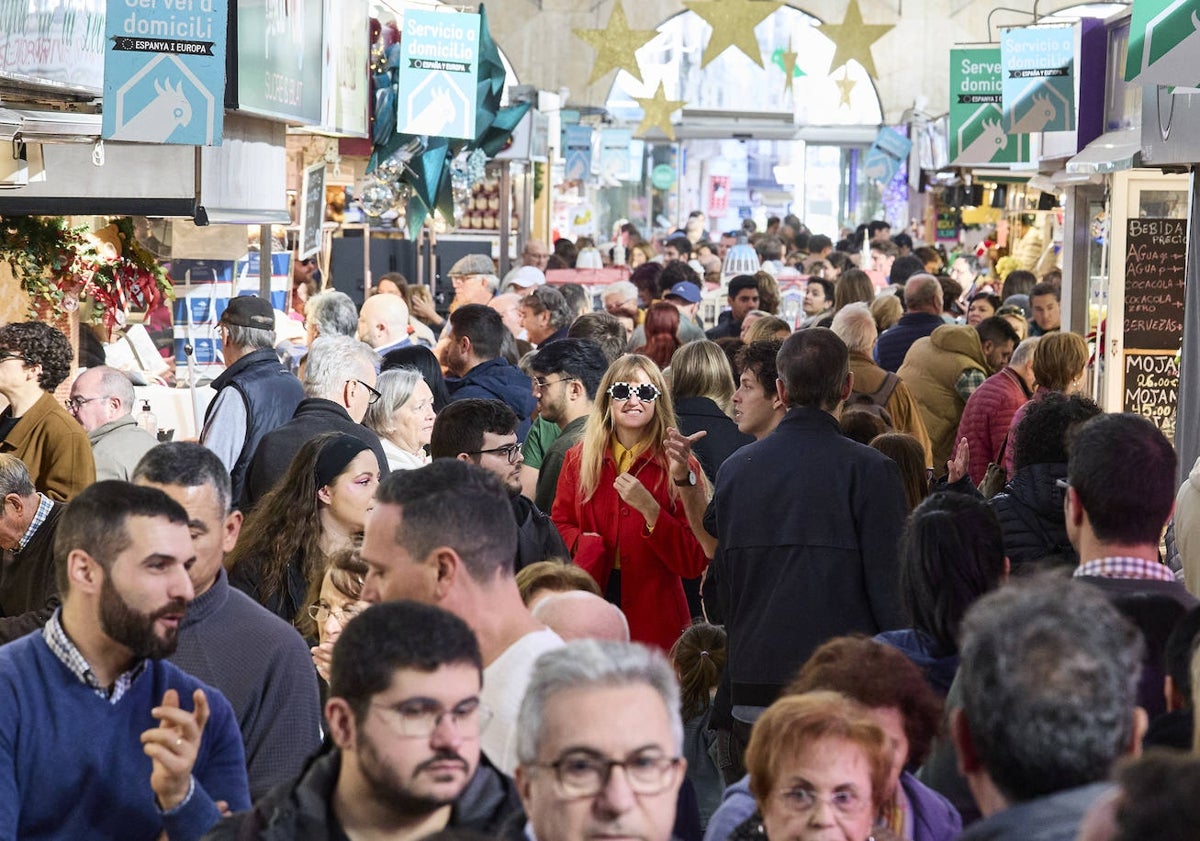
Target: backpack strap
[{"x": 884, "y": 393}]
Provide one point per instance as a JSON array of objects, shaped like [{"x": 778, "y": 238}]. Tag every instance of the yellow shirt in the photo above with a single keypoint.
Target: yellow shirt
[{"x": 625, "y": 459}]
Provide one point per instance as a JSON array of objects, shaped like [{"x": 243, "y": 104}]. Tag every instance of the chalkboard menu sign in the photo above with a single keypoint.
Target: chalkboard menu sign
[
  {"x": 1154, "y": 283},
  {"x": 1152, "y": 388},
  {"x": 312, "y": 211}
]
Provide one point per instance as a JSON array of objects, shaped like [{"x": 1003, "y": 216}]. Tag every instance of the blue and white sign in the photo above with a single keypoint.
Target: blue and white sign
[
  {"x": 614, "y": 153},
  {"x": 1038, "y": 79},
  {"x": 886, "y": 155},
  {"x": 164, "y": 71},
  {"x": 439, "y": 66},
  {"x": 577, "y": 153}
]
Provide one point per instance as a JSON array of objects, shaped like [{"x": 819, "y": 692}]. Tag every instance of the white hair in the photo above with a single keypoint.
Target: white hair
[
  {"x": 623, "y": 288},
  {"x": 592, "y": 664},
  {"x": 1023, "y": 355},
  {"x": 855, "y": 326},
  {"x": 332, "y": 360}
]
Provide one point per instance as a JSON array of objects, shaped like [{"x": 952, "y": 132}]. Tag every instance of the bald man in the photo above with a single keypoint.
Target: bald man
[
  {"x": 923, "y": 302},
  {"x": 102, "y": 401},
  {"x": 577, "y": 615},
  {"x": 383, "y": 323}
]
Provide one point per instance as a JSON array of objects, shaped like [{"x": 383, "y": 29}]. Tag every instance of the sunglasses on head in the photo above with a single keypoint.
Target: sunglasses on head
[{"x": 645, "y": 392}]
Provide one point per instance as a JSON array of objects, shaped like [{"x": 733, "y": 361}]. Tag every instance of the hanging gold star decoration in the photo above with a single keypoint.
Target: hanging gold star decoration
[
  {"x": 733, "y": 23},
  {"x": 657, "y": 112},
  {"x": 853, "y": 39},
  {"x": 616, "y": 45},
  {"x": 845, "y": 85},
  {"x": 789, "y": 67}
]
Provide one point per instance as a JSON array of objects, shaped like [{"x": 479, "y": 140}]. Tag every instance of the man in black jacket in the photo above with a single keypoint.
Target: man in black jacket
[
  {"x": 484, "y": 432},
  {"x": 404, "y": 719},
  {"x": 255, "y": 394},
  {"x": 339, "y": 384},
  {"x": 807, "y": 523},
  {"x": 28, "y": 521}
]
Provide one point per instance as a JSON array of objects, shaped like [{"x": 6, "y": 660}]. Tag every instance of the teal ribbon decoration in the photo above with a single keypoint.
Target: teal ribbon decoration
[{"x": 428, "y": 173}]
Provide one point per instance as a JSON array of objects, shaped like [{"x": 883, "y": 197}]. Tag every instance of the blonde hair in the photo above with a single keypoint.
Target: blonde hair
[
  {"x": 598, "y": 432},
  {"x": 767, "y": 327},
  {"x": 887, "y": 310},
  {"x": 701, "y": 369}
]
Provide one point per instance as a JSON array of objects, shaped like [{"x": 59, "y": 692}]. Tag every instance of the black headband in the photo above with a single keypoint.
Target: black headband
[{"x": 335, "y": 455}]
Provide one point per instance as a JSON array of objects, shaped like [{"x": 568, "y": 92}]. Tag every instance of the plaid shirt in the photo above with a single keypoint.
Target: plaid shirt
[
  {"x": 39, "y": 517},
  {"x": 1137, "y": 568},
  {"x": 65, "y": 650}
]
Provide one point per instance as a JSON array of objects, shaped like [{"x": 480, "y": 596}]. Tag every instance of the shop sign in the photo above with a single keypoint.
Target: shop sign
[
  {"x": 279, "y": 48},
  {"x": 312, "y": 211},
  {"x": 344, "y": 97},
  {"x": 1038, "y": 78},
  {"x": 718, "y": 195},
  {"x": 439, "y": 65},
  {"x": 577, "y": 153},
  {"x": 663, "y": 177},
  {"x": 614, "y": 153},
  {"x": 886, "y": 155},
  {"x": 1164, "y": 41},
  {"x": 53, "y": 42},
  {"x": 164, "y": 72},
  {"x": 977, "y": 135}
]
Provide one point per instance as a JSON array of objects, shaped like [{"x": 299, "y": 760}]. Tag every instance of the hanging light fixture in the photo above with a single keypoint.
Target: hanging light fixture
[{"x": 739, "y": 259}]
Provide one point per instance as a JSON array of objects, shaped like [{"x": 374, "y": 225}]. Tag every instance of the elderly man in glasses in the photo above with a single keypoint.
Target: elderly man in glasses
[
  {"x": 102, "y": 401},
  {"x": 484, "y": 432},
  {"x": 600, "y": 743},
  {"x": 405, "y": 719}
]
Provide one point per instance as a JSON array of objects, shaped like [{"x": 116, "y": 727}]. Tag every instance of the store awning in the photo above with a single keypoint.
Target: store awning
[
  {"x": 1164, "y": 40},
  {"x": 1112, "y": 151}
]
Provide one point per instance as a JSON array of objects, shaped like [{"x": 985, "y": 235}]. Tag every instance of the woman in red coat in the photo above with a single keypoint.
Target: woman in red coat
[{"x": 618, "y": 509}]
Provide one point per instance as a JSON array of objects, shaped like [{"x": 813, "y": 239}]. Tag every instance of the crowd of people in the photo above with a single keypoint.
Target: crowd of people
[{"x": 570, "y": 564}]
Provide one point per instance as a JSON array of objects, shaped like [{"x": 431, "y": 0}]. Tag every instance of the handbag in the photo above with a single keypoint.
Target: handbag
[{"x": 996, "y": 477}]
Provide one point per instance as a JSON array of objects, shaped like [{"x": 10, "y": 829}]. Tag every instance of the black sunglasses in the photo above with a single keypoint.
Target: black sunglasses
[{"x": 646, "y": 392}]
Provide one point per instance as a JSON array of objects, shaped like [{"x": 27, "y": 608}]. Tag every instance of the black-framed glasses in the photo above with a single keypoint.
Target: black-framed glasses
[
  {"x": 583, "y": 773},
  {"x": 7, "y": 355},
  {"x": 321, "y": 611},
  {"x": 74, "y": 404},
  {"x": 512, "y": 452},
  {"x": 375, "y": 394},
  {"x": 418, "y": 718},
  {"x": 646, "y": 392},
  {"x": 542, "y": 382}
]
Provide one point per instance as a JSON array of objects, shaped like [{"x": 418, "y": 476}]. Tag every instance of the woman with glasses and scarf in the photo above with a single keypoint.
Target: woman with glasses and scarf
[
  {"x": 618, "y": 509},
  {"x": 318, "y": 508}
]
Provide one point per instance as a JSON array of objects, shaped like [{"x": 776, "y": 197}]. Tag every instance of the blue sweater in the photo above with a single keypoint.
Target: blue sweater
[{"x": 71, "y": 762}]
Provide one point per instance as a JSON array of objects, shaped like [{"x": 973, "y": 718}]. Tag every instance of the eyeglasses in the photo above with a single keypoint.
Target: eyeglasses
[
  {"x": 76, "y": 403},
  {"x": 585, "y": 774},
  {"x": 1063, "y": 483},
  {"x": 646, "y": 392},
  {"x": 374, "y": 394},
  {"x": 6, "y": 355},
  {"x": 542, "y": 382},
  {"x": 800, "y": 800},
  {"x": 321, "y": 612},
  {"x": 420, "y": 717},
  {"x": 510, "y": 451}
]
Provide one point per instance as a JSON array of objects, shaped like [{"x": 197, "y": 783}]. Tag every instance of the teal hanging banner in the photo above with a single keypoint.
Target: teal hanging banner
[
  {"x": 279, "y": 50},
  {"x": 577, "y": 153},
  {"x": 439, "y": 62},
  {"x": 1164, "y": 43},
  {"x": 977, "y": 133},
  {"x": 886, "y": 155},
  {"x": 164, "y": 74},
  {"x": 1038, "y": 84}
]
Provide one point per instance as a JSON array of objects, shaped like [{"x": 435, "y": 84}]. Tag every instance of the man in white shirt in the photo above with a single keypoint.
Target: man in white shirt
[{"x": 444, "y": 534}]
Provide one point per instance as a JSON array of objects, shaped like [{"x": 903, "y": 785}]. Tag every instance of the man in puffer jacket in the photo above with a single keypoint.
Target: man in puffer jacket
[{"x": 1030, "y": 509}]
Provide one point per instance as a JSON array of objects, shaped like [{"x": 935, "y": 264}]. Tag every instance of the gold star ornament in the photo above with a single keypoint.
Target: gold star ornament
[
  {"x": 789, "y": 67},
  {"x": 853, "y": 39},
  {"x": 657, "y": 112},
  {"x": 733, "y": 23},
  {"x": 845, "y": 85},
  {"x": 616, "y": 45}
]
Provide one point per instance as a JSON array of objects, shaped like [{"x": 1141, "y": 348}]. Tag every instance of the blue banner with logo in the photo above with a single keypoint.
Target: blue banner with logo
[
  {"x": 886, "y": 155},
  {"x": 1038, "y": 79},
  {"x": 577, "y": 153},
  {"x": 164, "y": 71},
  {"x": 439, "y": 65}
]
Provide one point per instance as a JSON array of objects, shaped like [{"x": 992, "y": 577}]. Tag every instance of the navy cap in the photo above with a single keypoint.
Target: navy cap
[{"x": 689, "y": 292}]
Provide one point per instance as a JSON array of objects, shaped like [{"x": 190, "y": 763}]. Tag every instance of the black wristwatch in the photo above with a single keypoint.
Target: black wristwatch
[{"x": 689, "y": 482}]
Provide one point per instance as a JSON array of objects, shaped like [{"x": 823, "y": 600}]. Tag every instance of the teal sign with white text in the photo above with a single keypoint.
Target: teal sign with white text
[
  {"x": 1038, "y": 78},
  {"x": 977, "y": 135},
  {"x": 1164, "y": 43},
  {"x": 279, "y": 51},
  {"x": 439, "y": 66}
]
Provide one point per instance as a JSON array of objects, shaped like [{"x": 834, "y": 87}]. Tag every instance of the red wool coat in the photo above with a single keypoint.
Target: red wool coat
[{"x": 652, "y": 565}]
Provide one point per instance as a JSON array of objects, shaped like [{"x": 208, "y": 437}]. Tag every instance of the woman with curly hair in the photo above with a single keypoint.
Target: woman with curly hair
[
  {"x": 318, "y": 508},
  {"x": 333, "y": 601},
  {"x": 618, "y": 509},
  {"x": 35, "y": 358}
]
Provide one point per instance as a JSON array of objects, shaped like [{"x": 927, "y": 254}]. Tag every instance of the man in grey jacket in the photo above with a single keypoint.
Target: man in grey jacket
[{"x": 102, "y": 401}]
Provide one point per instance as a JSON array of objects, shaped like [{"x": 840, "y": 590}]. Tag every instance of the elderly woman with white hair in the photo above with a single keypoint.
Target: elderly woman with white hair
[{"x": 402, "y": 417}]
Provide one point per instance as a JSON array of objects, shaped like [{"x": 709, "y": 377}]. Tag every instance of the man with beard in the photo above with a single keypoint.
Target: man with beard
[
  {"x": 405, "y": 718},
  {"x": 484, "y": 432},
  {"x": 75, "y": 695}
]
